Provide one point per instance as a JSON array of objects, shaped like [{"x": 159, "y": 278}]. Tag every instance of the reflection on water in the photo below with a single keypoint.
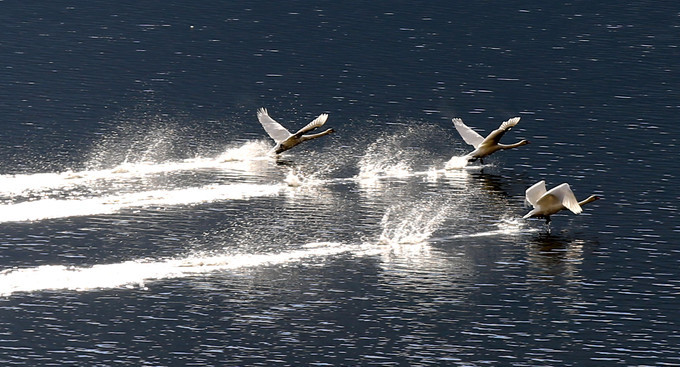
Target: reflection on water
[
  {"x": 418, "y": 251},
  {"x": 143, "y": 222},
  {"x": 395, "y": 222},
  {"x": 556, "y": 256}
]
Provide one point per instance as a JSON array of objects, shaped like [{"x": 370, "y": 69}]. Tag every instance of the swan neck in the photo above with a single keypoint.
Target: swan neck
[
  {"x": 589, "y": 199},
  {"x": 314, "y": 136},
  {"x": 510, "y": 146}
]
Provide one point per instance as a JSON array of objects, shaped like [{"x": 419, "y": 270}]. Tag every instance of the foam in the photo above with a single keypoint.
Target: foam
[
  {"x": 135, "y": 273},
  {"x": 61, "y": 208},
  {"x": 238, "y": 158}
]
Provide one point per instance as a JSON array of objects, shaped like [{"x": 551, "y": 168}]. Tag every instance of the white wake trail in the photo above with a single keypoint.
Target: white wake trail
[
  {"x": 398, "y": 239},
  {"x": 138, "y": 272},
  {"x": 239, "y": 159},
  {"x": 61, "y": 208}
]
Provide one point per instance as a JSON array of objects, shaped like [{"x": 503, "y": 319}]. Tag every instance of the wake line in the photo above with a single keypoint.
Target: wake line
[
  {"x": 507, "y": 227},
  {"x": 137, "y": 272},
  {"x": 60, "y": 208},
  {"x": 236, "y": 159}
]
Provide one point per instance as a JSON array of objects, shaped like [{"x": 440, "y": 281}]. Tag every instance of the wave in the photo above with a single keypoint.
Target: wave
[{"x": 61, "y": 208}]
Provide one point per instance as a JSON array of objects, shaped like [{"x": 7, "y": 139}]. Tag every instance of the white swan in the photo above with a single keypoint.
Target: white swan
[
  {"x": 283, "y": 138},
  {"x": 490, "y": 144},
  {"x": 547, "y": 203}
]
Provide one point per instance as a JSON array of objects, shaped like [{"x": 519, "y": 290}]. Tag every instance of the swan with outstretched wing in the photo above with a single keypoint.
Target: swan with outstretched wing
[
  {"x": 489, "y": 145},
  {"x": 547, "y": 203},
  {"x": 283, "y": 138}
]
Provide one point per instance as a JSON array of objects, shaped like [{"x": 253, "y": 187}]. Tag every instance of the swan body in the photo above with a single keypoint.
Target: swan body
[
  {"x": 285, "y": 139},
  {"x": 547, "y": 203},
  {"x": 489, "y": 145}
]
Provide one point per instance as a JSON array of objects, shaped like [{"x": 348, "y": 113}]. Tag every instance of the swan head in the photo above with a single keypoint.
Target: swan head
[
  {"x": 593, "y": 198},
  {"x": 589, "y": 199}
]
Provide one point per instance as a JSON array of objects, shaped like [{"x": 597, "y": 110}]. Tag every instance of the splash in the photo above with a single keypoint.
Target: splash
[
  {"x": 61, "y": 208},
  {"x": 384, "y": 158},
  {"x": 457, "y": 162},
  {"x": 412, "y": 224},
  {"x": 432, "y": 175},
  {"x": 141, "y": 138},
  {"x": 372, "y": 171},
  {"x": 295, "y": 178},
  {"x": 250, "y": 150},
  {"x": 237, "y": 158},
  {"x": 510, "y": 225},
  {"x": 406, "y": 240},
  {"x": 375, "y": 170},
  {"x": 506, "y": 226},
  {"x": 136, "y": 273}
]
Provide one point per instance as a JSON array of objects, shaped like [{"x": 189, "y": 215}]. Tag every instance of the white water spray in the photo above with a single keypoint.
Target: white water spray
[
  {"x": 457, "y": 162},
  {"x": 138, "y": 272},
  {"x": 412, "y": 224},
  {"x": 61, "y": 208},
  {"x": 238, "y": 158}
]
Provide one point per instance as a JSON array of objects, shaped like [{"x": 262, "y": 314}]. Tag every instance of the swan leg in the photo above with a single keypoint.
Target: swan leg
[
  {"x": 547, "y": 224},
  {"x": 284, "y": 162}
]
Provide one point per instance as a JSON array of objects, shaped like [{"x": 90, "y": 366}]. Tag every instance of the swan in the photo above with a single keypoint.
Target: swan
[
  {"x": 546, "y": 203},
  {"x": 283, "y": 138},
  {"x": 490, "y": 144}
]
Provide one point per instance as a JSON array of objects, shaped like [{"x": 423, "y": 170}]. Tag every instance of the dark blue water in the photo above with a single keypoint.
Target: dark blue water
[{"x": 142, "y": 222}]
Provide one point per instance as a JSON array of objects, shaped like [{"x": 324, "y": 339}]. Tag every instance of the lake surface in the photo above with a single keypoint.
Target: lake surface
[{"x": 142, "y": 221}]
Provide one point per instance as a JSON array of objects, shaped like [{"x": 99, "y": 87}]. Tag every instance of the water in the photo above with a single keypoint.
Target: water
[{"x": 143, "y": 222}]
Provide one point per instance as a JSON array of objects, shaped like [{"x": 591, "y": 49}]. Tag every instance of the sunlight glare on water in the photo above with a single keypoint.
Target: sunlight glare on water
[
  {"x": 58, "y": 208},
  {"x": 138, "y": 272},
  {"x": 412, "y": 223},
  {"x": 239, "y": 158},
  {"x": 145, "y": 222}
]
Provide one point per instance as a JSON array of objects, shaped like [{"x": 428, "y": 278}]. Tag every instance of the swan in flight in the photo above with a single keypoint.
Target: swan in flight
[
  {"x": 490, "y": 144},
  {"x": 546, "y": 203},
  {"x": 283, "y": 138}
]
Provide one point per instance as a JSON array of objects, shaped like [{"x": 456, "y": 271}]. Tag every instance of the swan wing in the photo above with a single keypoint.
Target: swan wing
[
  {"x": 497, "y": 134},
  {"x": 470, "y": 136},
  {"x": 317, "y": 122},
  {"x": 273, "y": 128},
  {"x": 563, "y": 196},
  {"x": 534, "y": 193}
]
